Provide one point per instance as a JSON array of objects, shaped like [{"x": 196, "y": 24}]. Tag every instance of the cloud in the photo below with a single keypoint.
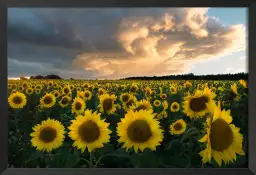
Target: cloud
[{"x": 115, "y": 43}]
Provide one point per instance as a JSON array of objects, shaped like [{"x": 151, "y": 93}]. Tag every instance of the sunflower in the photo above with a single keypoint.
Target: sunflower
[
  {"x": 101, "y": 91},
  {"x": 233, "y": 94},
  {"x": 134, "y": 88},
  {"x": 107, "y": 103},
  {"x": 64, "y": 102},
  {"x": 195, "y": 106},
  {"x": 157, "y": 103},
  {"x": 48, "y": 100},
  {"x": 142, "y": 105},
  {"x": 163, "y": 96},
  {"x": 39, "y": 87},
  {"x": 147, "y": 91},
  {"x": 139, "y": 130},
  {"x": 178, "y": 127},
  {"x": 50, "y": 84},
  {"x": 89, "y": 131},
  {"x": 223, "y": 139},
  {"x": 131, "y": 102},
  {"x": 87, "y": 95},
  {"x": 38, "y": 91},
  {"x": 56, "y": 94},
  {"x": 80, "y": 94},
  {"x": 66, "y": 90},
  {"x": 162, "y": 114},
  {"x": 124, "y": 97},
  {"x": 175, "y": 107},
  {"x": 29, "y": 91},
  {"x": 48, "y": 135},
  {"x": 187, "y": 85},
  {"x": 78, "y": 106},
  {"x": 173, "y": 90},
  {"x": 243, "y": 83},
  {"x": 25, "y": 85},
  {"x": 17, "y": 100},
  {"x": 153, "y": 93}
]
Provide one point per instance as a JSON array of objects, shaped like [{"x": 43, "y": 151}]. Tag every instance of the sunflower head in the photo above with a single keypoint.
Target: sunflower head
[
  {"x": 178, "y": 127},
  {"x": 173, "y": 90},
  {"x": 157, "y": 103},
  {"x": 124, "y": 97},
  {"x": 87, "y": 95},
  {"x": 223, "y": 138},
  {"x": 139, "y": 130},
  {"x": 175, "y": 107},
  {"x": 130, "y": 103},
  {"x": 17, "y": 100},
  {"x": 89, "y": 131},
  {"x": 48, "y": 135},
  {"x": 107, "y": 104},
  {"x": 134, "y": 88},
  {"x": 29, "y": 91},
  {"x": 243, "y": 83},
  {"x": 187, "y": 85},
  {"x": 66, "y": 90},
  {"x": 48, "y": 100},
  {"x": 64, "y": 102},
  {"x": 142, "y": 105},
  {"x": 163, "y": 96},
  {"x": 38, "y": 91},
  {"x": 78, "y": 106},
  {"x": 196, "y": 106}
]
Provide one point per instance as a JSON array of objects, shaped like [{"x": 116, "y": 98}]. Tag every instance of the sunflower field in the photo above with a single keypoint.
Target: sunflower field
[{"x": 127, "y": 124}]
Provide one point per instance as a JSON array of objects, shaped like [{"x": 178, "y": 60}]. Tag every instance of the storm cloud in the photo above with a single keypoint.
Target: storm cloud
[{"x": 115, "y": 42}]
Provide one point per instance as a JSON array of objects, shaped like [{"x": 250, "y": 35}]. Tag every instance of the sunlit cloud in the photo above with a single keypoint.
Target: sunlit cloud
[{"x": 168, "y": 44}]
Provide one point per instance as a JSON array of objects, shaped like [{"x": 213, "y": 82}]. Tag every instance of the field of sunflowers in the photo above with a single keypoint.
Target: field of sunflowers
[{"x": 127, "y": 124}]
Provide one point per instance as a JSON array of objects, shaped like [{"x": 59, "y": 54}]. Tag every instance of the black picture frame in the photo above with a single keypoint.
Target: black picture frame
[{"x": 4, "y": 4}]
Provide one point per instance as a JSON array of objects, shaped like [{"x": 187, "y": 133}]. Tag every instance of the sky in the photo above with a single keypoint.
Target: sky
[{"x": 113, "y": 43}]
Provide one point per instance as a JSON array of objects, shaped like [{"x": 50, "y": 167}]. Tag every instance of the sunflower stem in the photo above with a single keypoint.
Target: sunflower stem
[
  {"x": 91, "y": 160},
  {"x": 16, "y": 119}
]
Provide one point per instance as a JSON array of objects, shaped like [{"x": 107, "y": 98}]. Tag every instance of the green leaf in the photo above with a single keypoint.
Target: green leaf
[
  {"x": 170, "y": 144},
  {"x": 189, "y": 133},
  {"x": 72, "y": 160},
  {"x": 36, "y": 155}
]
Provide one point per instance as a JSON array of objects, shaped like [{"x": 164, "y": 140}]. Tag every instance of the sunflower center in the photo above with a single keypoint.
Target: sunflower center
[
  {"x": 89, "y": 131},
  {"x": 232, "y": 95},
  {"x": 174, "y": 106},
  {"x": 56, "y": 94},
  {"x": 157, "y": 103},
  {"x": 78, "y": 106},
  {"x": 86, "y": 95},
  {"x": 47, "y": 100},
  {"x": 130, "y": 103},
  {"x": 141, "y": 107},
  {"x": 221, "y": 135},
  {"x": 133, "y": 89},
  {"x": 125, "y": 98},
  {"x": 107, "y": 104},
  {"x": 64, "y": 101},
  {"x": 198, "y": 104},
  {"x": 17, "y": 100},
  {"x": 66, "y": 90},
  {"x": 177, "y": 126},
  {"x": 139, "y": 131},
  {"x": 163, "y": 96},
  {"x": 47, "y": 135}
]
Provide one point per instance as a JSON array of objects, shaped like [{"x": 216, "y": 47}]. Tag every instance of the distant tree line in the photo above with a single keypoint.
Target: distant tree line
[
  {"x": 237, "y": 76},
  {"x": 52, "y": 76}
]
